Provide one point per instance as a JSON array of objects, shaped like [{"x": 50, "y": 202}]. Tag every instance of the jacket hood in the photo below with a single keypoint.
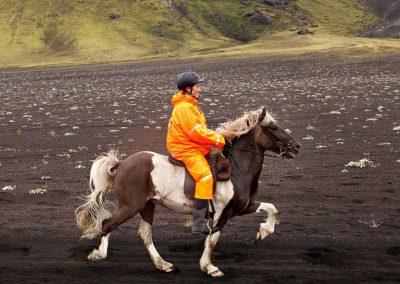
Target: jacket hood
[{"x": 180, "y": 97}]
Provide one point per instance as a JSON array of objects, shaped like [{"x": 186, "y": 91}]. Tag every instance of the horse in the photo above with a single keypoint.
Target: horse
[{"x": 146, "y": 178}]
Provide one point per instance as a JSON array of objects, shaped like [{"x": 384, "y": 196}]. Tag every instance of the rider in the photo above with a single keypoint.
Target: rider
[{"x": 189, "y": 140}]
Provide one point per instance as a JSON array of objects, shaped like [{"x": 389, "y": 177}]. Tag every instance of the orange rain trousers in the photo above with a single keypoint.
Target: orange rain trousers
[
  {"x": 199, "y": 169},
  {"x": 189, "y": 140}
]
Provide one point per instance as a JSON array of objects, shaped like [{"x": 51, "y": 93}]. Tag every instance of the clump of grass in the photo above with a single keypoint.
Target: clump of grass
[{"x": 372, "y": 223}]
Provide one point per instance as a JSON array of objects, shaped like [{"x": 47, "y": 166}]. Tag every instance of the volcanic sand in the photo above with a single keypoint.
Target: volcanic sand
[{"x": 337, "y": 223}]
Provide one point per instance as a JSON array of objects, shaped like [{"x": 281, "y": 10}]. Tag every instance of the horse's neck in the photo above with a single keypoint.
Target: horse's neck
[{"x": 247, "y": 165}]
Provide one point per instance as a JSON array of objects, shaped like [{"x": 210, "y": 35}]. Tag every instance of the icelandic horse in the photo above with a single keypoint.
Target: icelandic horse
[{"x": 146, "y": 178}]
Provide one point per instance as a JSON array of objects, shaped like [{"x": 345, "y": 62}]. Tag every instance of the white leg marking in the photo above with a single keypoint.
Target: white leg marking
[
  {"x": 268, "y": 227},
  {"x": 101, "y": 252},
  {"x": 205, "y": 261},
  {"x": 145, "y": 234}
]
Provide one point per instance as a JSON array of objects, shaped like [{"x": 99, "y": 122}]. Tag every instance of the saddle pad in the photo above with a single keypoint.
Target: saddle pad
[
  {"x": 189, "y": 185},
  {"x": 221, "y": 167}
]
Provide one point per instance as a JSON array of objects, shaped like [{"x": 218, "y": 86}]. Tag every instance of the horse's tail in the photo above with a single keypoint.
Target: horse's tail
[{"x": 90, "y": 215}]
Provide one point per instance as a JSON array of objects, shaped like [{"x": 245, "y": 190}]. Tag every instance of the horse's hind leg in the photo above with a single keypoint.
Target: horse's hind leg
[
  {"x": 101, "y": 252},
  {"x": 147, "y": 215},
  {"x": 121, "y": 216}
]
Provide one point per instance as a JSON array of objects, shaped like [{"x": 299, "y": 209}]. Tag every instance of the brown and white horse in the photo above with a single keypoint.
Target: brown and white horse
[{"x": 146, "y": 178}]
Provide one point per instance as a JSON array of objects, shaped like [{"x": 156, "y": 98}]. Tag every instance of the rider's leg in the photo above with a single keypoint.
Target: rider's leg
[{"x": 199, "y": 169}]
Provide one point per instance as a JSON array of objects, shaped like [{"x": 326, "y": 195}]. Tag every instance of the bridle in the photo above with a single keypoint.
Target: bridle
[{"x": 282, "y": 150}]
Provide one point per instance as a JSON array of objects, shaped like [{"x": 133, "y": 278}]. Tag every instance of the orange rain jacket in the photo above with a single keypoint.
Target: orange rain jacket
[{"x": 188, "y": 134}]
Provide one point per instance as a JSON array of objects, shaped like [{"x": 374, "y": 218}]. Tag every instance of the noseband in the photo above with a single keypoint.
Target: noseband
[{"x": 282, "y": 150}]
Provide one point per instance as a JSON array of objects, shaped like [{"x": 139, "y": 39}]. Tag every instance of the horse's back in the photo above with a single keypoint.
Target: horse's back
[
  {"x": 135, "y": 171},
  {"x": 140, "y": 160}
]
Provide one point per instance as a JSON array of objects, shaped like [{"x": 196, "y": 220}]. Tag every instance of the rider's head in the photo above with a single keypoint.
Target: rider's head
[{"x": 189, "y": 82}]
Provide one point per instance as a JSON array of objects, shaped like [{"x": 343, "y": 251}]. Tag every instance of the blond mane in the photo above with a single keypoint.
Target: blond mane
[{"x": 236, "y": 128}]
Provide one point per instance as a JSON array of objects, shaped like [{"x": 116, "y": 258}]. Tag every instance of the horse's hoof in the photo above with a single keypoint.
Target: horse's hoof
[
  {"x": 95, "y": 256},
  {"x": 172, "y": 269},
  {"x": 262, "y": 235},
  {"x": 217, "y": 274}
]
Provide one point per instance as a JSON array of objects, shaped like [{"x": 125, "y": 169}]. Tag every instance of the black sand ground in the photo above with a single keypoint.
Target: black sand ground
[{"x": 55, "y": 121}]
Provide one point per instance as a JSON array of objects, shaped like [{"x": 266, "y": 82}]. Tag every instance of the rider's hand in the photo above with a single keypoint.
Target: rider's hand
[{"x": 214, "y": 151}]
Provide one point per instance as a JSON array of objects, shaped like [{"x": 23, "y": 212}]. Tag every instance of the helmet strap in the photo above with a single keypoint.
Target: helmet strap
[
  {"x": 189, "y": 93},
  {"x": 191, "y": 90}
]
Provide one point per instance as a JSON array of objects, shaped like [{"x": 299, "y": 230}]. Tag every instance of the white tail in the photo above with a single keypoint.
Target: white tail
[{"x": 90, "y": 215}]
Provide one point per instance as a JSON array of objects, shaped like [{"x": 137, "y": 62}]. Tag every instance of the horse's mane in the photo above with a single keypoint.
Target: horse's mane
[{"x": 236, "y": 128}]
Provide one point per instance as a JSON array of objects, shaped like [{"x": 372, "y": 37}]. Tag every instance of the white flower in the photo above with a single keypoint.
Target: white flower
[
  {"x": 9, "y": 187},
  {"x": 335, "y": 112},
  {"x": 37, "y": 191},
  {"x": 69, "y": 134},
  {"x": 397, "y": 128},
  {"x": 360, "y": 164},
  {"x": 308, "y": 138}
]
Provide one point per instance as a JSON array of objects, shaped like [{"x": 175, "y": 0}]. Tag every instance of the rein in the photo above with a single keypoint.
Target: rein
[{"x": 283, "y": 152}]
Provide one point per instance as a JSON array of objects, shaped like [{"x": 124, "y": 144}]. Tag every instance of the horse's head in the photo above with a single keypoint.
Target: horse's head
[{"x": 270, "y": 136}]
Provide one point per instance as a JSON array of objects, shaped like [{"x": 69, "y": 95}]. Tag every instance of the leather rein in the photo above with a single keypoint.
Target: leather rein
[{"x": 282, "y": 152}]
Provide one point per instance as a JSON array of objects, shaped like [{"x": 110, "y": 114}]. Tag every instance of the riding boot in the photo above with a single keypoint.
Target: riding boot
[{"x": 199, "y": 226}]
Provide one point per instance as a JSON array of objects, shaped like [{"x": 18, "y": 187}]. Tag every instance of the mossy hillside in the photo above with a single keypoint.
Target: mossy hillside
[
  {"x": 342, "y": 17},
  {"x": 46, "y": 32}
]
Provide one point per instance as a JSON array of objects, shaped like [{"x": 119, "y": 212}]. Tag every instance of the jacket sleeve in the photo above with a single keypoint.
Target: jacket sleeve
[{"x": 195, "y": 130}]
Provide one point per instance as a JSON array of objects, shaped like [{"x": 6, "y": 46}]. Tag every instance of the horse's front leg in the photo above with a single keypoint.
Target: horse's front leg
[
  {"x": 268, "y": 227},
  {"x": 205, "y": 261},
  {"x": 101, "y": 252}
]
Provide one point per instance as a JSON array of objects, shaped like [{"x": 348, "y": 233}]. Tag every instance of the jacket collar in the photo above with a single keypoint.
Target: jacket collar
[{"x": 181, "y": 97}]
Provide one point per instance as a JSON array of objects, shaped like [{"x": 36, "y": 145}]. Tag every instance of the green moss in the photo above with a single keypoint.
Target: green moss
[
  {"x": 80, "y": 31},
  {"x": 339, "y": 16}
]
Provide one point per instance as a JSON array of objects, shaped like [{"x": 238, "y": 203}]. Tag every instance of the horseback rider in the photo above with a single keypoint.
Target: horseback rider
[{"x": 189, "y": 140}]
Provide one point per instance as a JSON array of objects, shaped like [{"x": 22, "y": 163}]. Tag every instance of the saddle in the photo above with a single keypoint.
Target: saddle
[{"x": 221, "y": 170}]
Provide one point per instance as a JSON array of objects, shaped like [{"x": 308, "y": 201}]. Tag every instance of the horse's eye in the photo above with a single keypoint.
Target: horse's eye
[{"x": 273, "y": 127}]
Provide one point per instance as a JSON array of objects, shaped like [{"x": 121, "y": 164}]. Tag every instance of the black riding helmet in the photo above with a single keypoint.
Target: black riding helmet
[{"x": 187, "y": 79}]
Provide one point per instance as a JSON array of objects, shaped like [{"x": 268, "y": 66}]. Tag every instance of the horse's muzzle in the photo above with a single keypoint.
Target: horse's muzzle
[{"x": 292, "y": 150}]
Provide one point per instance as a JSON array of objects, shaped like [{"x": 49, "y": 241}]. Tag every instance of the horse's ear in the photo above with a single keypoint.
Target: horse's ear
[{"x": 262, "y": 114}]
